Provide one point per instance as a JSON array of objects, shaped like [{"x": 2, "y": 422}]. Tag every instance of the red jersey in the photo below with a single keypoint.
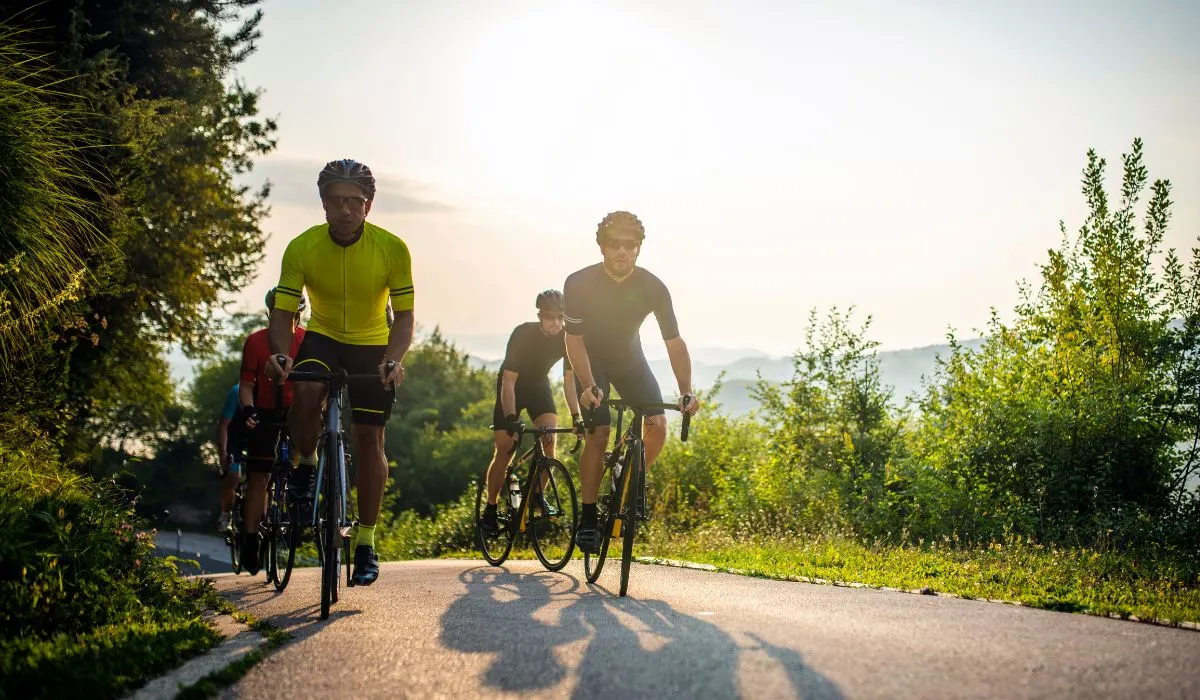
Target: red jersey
[{"x": 256, "y": 357}]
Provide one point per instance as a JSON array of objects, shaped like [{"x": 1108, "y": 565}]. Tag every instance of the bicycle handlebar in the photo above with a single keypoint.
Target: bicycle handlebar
[
  {"x": 328, "y": 377},
  {"x": 541, "y": 432},
  {"x": 623, "y": 405}
]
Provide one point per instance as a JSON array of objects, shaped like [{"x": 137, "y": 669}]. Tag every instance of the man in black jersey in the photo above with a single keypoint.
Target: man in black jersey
[
  {"x": 606, "y": 304},
  {"x": 524, "y": 383}
]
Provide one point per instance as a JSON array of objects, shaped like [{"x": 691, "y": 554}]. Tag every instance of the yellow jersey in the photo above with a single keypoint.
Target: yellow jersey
[{"x": 348, "y": 285}]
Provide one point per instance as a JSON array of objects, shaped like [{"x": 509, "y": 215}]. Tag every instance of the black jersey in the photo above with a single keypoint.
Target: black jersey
[
  {"x": 531, "y": 353},
  {"x": 609, "y": 314}
]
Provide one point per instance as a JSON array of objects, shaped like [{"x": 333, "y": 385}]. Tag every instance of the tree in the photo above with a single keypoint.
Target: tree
[
  {"x": 832, "y": 436},
  {"x": 1066, "y": 421},
  {"x": 438, "y": 437},
  {"x": 175, "y": 137}
]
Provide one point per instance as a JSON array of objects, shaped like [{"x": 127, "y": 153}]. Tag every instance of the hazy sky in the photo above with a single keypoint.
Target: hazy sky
[{"x": 910, "y": 158}]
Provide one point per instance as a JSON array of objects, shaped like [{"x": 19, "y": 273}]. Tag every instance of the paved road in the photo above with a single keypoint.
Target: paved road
[
  {"x": 433, "y": 629},
  {"x": 207, "y": 550}
]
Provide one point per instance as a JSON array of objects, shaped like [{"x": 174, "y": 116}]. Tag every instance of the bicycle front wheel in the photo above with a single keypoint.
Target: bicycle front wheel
[
  {"x": 629, "y": 515},
  {"x": 607, "y": 505},
  {"x": 234, "y": 536},
  {"x": 553, "y": 514},
  {"x": 331, "y": 535},
  {"x": 495, "y": 549},
  {"x": 269, "y": 526}
]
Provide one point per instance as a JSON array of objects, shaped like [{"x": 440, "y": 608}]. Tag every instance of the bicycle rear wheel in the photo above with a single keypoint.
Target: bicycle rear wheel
[
  {"x": 629, "y": 516},
  {"x": 495, "y": 549},
  {"x": 269, "y": 526},
  {"x": 552, "y": 518},
  {"x": 331, "y": 536},
  {"x": 606, "y": 506}
]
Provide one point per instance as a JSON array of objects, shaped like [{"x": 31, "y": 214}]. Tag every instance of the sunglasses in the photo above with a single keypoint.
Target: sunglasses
[
  {"x": 338, "y": 201},
  {"x": 623, "y": 243}
]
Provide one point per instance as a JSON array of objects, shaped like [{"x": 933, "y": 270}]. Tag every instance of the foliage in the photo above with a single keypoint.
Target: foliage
[
  {"x": 438, "y": 437},
  {"x": 44, "y": 211},
  {"x": 448, "y": 529},
  {"x": 168, "y": 136},
  {"x": 833, "y": 440},
  {"x": 1066, "y": 423},
  {"x": 84, "y": 603}
]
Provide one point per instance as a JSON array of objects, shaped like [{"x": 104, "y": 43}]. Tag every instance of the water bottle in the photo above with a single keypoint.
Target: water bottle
[
  {"x": 514, "y": 492},
  {"x": 285, "y": 452},
  {"x": 235, "y": 468}
]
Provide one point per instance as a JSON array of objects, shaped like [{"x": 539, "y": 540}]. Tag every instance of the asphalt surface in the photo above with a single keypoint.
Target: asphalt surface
[
  {"x": 209, "y": 552},
  {"x": 432, "y": 629}
]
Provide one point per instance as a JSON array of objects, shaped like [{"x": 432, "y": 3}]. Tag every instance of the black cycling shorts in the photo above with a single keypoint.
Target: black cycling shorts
[
  {"x": 370, "y": 402},
  {"x": 261, "y": 440},
  {"x": 535, "y": 398},
  {"x": 636, "y": 384}
]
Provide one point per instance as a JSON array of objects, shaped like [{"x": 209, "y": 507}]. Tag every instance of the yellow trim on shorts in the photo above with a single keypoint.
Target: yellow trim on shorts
[{"x": 312, "y": 359}]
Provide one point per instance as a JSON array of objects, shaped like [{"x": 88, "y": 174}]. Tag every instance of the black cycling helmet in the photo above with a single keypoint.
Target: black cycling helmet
[
  {"x": 347, "y": 170},
  {"x": 550, "y": 301},
  {"x": 620, "y": 222},
  {"x": 270, "y": 301}
]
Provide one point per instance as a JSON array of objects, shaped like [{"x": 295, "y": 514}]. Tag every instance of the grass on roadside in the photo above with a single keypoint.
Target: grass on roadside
[
  {"x": 85, "y": 607},
  {"x": 1073, "y": 580}
]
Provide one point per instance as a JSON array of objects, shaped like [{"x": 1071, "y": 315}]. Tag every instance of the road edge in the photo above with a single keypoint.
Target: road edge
[
  {"x": 683, "y": 564},
  {"x": 247, "y": 642}
]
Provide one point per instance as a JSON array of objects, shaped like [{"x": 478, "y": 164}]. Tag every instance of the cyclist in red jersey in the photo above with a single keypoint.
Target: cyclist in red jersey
[{"x": 262, "y": 418}]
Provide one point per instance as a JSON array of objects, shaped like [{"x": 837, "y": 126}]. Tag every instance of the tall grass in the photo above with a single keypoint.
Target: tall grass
[{"x": 49, "y": 198}]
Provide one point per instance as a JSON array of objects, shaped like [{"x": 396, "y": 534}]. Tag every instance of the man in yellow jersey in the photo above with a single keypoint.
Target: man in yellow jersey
[{"x": 351, "y": 269}]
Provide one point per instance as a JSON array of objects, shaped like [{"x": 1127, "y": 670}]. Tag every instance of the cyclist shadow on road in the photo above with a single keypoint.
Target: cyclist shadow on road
[
  {"x": 627, "y": 647},
  {"x": 499, "y": 614}
]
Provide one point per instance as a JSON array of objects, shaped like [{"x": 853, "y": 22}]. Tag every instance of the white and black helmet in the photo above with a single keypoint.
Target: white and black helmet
[{"x": 347, "y": 170}]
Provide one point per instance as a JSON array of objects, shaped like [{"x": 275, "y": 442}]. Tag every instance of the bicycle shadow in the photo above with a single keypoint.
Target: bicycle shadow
[
  {"x": 498, "y": 614},
  {"x": 300, "y": 623},
  {"x": 546, "y": 630}
]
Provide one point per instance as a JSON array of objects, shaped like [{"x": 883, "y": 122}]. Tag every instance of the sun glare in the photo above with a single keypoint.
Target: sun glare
[{"x": 577, "y": 102}]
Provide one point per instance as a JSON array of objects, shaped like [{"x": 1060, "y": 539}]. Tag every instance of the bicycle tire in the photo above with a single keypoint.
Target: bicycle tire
[
  {"x": 496, "y": 552},
  {"x": 330, "y": 530},
  {"x": 593, "y": 564},
  {"x": 629, "y": 518},
  {"x": 234, "y": 536},
  {"x": 550, "y": 530},
  {"x": 269, "y": 521}
]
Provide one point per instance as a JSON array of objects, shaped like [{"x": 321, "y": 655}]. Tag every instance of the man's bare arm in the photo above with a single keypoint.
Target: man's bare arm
[
  {"x": 581, "y": 365},
  {"x": 400, "y": 339},
  {"x": 681, "y": 365},
  {"x": 508, "y": 393},
  {"x": 571, "y": 392}
]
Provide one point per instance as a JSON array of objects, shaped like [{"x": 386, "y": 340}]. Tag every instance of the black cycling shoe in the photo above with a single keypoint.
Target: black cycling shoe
[
  {"x": 489, "y": 525},
  {"x": 587, "y": 536},
  {"x": 250, "y": 560},
  {"x": 366, "y": 565}
]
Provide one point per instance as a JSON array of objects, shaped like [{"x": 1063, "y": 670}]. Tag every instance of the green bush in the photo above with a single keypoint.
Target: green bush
[
  {"x": 410, "y": 535},
  {"x": 84, "y": 603}
]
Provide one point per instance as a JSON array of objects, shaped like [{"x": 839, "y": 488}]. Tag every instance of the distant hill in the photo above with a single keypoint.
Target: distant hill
[{"x": 901, "y": 369}]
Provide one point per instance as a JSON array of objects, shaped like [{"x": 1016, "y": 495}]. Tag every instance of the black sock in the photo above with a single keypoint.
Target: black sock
[
  {"x": 490, "y": 509},
  {"x": 589, "y": 512}
]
